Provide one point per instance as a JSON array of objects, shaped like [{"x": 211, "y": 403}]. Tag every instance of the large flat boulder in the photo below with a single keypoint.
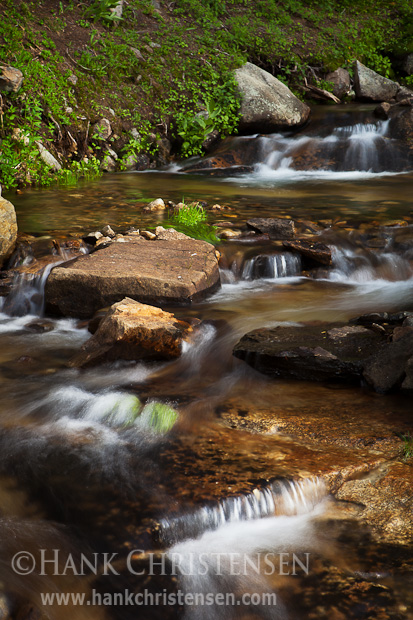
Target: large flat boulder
[
  {"x": 267, "y": 104},
  {"x": 134, "y": 331},
  {"x": 153, "y": 272},
  {"x": 8, "y": 229}
]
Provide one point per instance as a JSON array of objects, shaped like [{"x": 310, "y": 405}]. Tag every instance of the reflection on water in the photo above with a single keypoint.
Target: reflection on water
[{"x": 118, "y": 199}]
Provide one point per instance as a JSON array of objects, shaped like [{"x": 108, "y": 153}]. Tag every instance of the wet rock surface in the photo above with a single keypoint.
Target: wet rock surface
[
  {"x": 154, "y": 272},
  {"x": 134, "y": 331},
  {"x": 330, "y": 352},
  {"x": 313, "y": 251},
  {"x": 276, "y": 228}
]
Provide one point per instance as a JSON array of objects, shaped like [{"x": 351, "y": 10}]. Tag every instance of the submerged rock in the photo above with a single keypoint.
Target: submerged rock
[
  {"x": 134, "y": 331},
  {"x": 267, "y": 104},
  {"x": 155, "y": 272},
  {"x": 276, "y": 228}
]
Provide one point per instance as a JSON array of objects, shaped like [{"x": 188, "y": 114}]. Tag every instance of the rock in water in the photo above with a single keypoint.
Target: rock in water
[
  {"x": 277, "y": 228},
  {"x": 8, "y": 229},
  {"x": 155, "y": 272},
  {"x": 313, "y": 252},
  {"x": 332, "y": 352},
  {"x": 134, "y": 331},
  {"x": 267, "y": 104},
  {"x": 370, "y": 85}
]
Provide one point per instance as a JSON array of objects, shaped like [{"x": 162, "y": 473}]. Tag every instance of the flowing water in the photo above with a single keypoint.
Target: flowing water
[{"x": 232, "y": 501}]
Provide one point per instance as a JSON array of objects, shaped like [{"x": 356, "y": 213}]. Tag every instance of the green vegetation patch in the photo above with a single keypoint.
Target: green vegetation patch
[{"x": 166, "y": 73}]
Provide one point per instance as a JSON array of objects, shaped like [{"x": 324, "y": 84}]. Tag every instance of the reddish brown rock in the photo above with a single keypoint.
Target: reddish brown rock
[
  {"x": 387, "y": 501},
  {"x": 155, "y": 272},
  {"x": 134, "y": 331}
]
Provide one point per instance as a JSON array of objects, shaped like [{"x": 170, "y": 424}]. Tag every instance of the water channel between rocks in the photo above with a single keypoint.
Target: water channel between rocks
[{"x": 248, "y": 470}]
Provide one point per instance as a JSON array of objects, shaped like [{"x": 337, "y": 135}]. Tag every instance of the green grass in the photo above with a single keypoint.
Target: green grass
[{"x": 191, "y": 220}]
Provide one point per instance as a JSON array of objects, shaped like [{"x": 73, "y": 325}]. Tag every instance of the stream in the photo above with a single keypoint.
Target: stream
[{"x": 234, "y": 501}]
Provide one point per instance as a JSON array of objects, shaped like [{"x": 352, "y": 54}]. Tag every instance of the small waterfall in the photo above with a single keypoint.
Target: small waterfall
[
  {"x": 279, "y": 498},
  {"x": 255, "y": 537},
  {"x": 27, "y": 295},
  {"x": 362, "y": 266},
  {"x": 271, "y": 266},
  {"x": 360, "y": 147}
]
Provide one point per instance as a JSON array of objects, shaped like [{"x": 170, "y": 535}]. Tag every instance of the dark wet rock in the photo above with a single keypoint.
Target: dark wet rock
[
  {"x": 40, "y": 326},
  {"x": 408, "y": 64},
  {"x": 156, "y": 272},
  {"x": 330, "y": 352},
  {"x": 134, "y": 331},
  {"x": 314, "y": 252},
  {"x": 370, "y": 85},
  {"x": 401, "y": 127},
  {"x": 382, "y": 110},
  {"x": 385, "y": 370},
  {"x": 164, "y": 149},
  {"x": 267, "y": 104},
  {"x": 8, "y": 229},
  {"x": 276, "y": 228},
  {"x": 340, "y": 79},
  {"x": 211, "y": 140},
  {"x": 392, "y": 318},
  {"x": 408, "y": 380}
]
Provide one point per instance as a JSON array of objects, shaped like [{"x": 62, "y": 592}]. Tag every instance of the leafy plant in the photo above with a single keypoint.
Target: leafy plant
[{"x": 104, "y": 10}]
